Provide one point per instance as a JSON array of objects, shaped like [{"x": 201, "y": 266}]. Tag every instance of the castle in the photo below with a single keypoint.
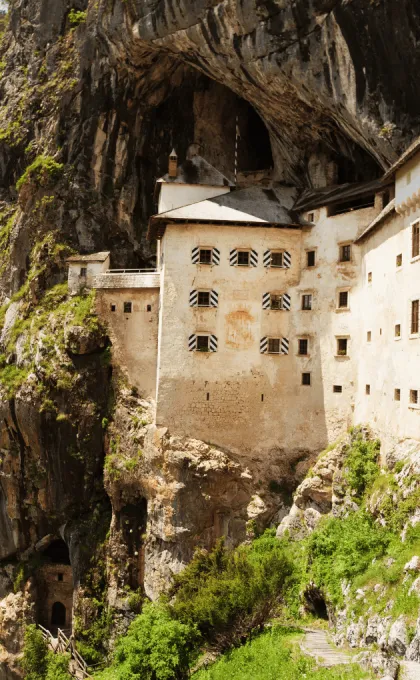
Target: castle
[{"x": 273, "y": 321}]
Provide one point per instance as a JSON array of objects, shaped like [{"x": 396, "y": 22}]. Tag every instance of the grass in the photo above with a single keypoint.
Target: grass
[{"x": 274, "y": 655}]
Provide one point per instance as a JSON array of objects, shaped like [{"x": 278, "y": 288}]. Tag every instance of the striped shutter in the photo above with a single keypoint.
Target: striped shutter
[
  {"x": 192, "y": 342},
  {"x": 284, "y": 346},
  {"x": 253, "y": 258},
  {"x": 195, "y": 255},
  {"x": 193, "y": 298},
  {"x": 214, "y": 298},
  {"x": 267, "y": 258},
  {"x": 264, "y": 345},
  {"x": 215, "y": 256},
  {"x": 287, "y": 259},
  {"x": 266, "y": 300},
  {"x": 213, "y": 343},
  {"x": 233, "y": 258},
  {"x": 286, "y": 301}
]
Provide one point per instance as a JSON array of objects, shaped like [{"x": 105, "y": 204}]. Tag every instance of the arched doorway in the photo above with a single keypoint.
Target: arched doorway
[{"x": 58, "y": 615}]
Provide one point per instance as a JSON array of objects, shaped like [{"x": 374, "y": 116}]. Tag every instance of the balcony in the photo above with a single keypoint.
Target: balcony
[{"x": 127, "y": 278}]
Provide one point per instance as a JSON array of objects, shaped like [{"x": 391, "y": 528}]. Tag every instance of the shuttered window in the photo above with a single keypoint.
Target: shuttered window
[
  {"x": 276, "y": 301},
  {"x": 274, "y": 345},
  {"x": 277, "y": 259},
  {"x": 206, "y": 256},
  {"x": 243, "y": 258},
  {"x": 202, "y": 343},
  {"x": 204, "y": 298}
]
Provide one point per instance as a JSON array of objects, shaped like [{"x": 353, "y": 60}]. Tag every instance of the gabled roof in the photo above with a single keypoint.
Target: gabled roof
[
  {"x": 93, "y": 257},
  {"x": 408, "y": 153},
  {"x": 197, "y": 170},
  {"x": 317, "y": 198},
  {"x": 388, "y": 210},
  {"x": 254, "y": 206}
]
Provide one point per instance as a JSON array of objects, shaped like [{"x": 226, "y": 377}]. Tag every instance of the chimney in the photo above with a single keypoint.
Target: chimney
[{"x": 173, "y": 164}]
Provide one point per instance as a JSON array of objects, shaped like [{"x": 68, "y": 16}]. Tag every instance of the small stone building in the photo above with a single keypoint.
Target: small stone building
[
  {"x": 54, "y": 583},
  {"x": 83, "y": 268}
]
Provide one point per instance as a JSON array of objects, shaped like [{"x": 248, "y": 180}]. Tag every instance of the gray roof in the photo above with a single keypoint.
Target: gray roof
[
  {"x": 93, "y": 257},
  {"x": 197, "y": 170},
  {"x": 317, "y": 198},
  {"x": 408, "y": 153},
  {"x": 254, "y": 206},
  {"x": 388, "y": 210}
]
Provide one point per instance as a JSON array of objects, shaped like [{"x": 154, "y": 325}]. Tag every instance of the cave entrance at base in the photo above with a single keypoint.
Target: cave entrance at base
[
  {"x": 58, "y": 615},
  {"x": 54, "y": 586},
  {"x": 315, "y": 602}
]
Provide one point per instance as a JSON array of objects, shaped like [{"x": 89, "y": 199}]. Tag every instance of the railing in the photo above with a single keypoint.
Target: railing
[
  {"x": 64, "y": 645},
  {"x": 131, "y": 271},
  {"x": 127, "y": 278}
]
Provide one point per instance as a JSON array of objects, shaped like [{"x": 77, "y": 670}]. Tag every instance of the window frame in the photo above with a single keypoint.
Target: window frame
[
  {"x": 399, "y": 262},
  {"x": 200, "y": 261},
  {"x": 113, "y": 307},
  {"x": 277, "y": 266},
  {"x": 414, "y": 322},
  {"x": 341, "y": 353},
  {"x": 128, "y": 307},
  {"x": 397, "y": 391},
  {"x": 416, "y": 403},
  {"x": 415, "y": 242},
  {"x": 369, "y": 336},
  {"x": 337, "y": 389},
  {"x": 311, "y": 251},
  {"x": 203, "y": 292},
  {"x": 397, "y": 335},
  {"x": 367, "y": 389},
  {"x": 346, "y": 307},
  {"x": 271, "y": 340},
  {"x": 276, "y": 295},
  {"x": 310, "y": 296},
  {"x": 201, "y": 337},
  {"x": 341, "y": 247},
  {"x": 83, "y": 272},
  {"x": 303, "y": 354},
  {"x": 243, "y": 251},
  {"x": 306, "y": 375}
]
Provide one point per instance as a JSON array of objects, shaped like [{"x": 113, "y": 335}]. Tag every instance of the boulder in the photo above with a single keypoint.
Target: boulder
[
  {"x": 398, "y": 637},
  {"x": 413, "y": 650},
  {"x": 376, "y": 627},
  {"x": 413, "y": 564},
  {"x": 81, "y": 340}
]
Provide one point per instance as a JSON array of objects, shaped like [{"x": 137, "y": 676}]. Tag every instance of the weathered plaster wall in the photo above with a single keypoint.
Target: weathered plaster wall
[
  {"x": 388, "y": 363},
  {"x": 176, "y": 195},
  {"x": 134, "y": 336},
  {"x": 407, "y": 184},
  {"x": 76, "y": 281}
]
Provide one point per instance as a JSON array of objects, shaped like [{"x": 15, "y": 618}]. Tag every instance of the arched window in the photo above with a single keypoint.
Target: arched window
[{"x": 58, "y": 615}]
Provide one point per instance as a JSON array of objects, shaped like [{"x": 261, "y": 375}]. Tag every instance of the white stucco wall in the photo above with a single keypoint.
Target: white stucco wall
[
  {"x": 407, "y": 185},
  {"x": 177, "y": 195},
  {"x": 387, "y": 363},
  {"x": 76, "y": 281}
]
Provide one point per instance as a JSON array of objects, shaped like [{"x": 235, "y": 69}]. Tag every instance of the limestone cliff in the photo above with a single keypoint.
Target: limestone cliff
[{"x": 93, "y": 96}]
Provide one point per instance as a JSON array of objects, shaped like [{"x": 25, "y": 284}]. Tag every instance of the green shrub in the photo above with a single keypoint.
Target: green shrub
[
  {"x": 58, "y": 667},
  {"x": 156, "y": 647},
  {"x": 35, "y": 654},
  {"x": 361, "y": 465},
  {"x": 42, "y": 171},
  {"x": 77, "y": 17}
]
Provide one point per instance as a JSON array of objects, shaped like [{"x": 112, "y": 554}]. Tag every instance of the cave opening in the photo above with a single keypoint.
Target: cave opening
[
  {"x": 132, "y": 522},
  {"x": 315, "y": 602},
  {"x": 57, "y": 552}
]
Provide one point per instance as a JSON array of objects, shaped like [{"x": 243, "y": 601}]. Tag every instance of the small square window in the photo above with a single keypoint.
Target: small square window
[
  {"x": 274, "y": 345},
  {"x": 276, "y": 259},
  {"x": 367, "y": 389},
  {"x": 398, "y": 260},
  {"x": 113, "y": 308},
  {"x": 128, "y": 307},
  {"x": 337, "y": 389},
  {"x": 149, "y": 308},
  {"x": 205, "y": 256},
  {"x": 343, "y": 299},
  {"x": 310, "y": 258},
  {"x": 397, "y": 330},
  {"x": 345, "y": 253},
  {"x": 306, "y": 378},
  {"x": 60, "y": 577},
  {"x": 369, "y": 336},
  {"x": 303, "y": 347},
  {"x": 243, "y": 258},
  {"x": 276, "y": 302},
  {"x": 203, "y": 298},
  {"x": 342, "y": 347},
  {"x": 306, "y": 302},
  {"x": 370, "y": 277},
  {"x": 83, "y": 271},
  {"x": 397, "y": 394},
  {"x": 414, "y": 396},
  {"x": 202, "y": 343},
  {"x": 415, "y": 242}
]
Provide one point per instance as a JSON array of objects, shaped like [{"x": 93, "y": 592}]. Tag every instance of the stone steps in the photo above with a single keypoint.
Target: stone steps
[{"x": 316, "y": 643}]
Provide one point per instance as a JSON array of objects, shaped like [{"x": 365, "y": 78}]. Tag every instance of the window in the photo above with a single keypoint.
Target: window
[
  {"x": 277, "y": 259},
  {"x": 310, "y": 258},
  {"x": 205, "y": 256},
  {"x": 83, "y": 271},
  {"x": 311, "y": 217},
  {"x": 342, "y": 347},
  {"x": 243, "y": 258},
  {"x": 343, "y": 299},
  {"x": 369, "y": 336},
  {"x": 274, "y": 345},
  {"x": 306, "y": 378},
  {"x": 208, "y": 396},
  {"x": 262, "y": 397},
  {"x": 370, "y": 277},
  {"x": 127, "y": 307},
  {"x": 306, "y": 302},
  {"x": 203, "y": 298},
  {"x": 337, "y": 389},
  {"x": 202, "y": 343},
  {"x": 367, "y": 389},
  {"x": 415, "y": 243},
  {"x": 397, "y": 394},
  {"x": 276, "y": 302},
  {"x": 398, "y": 260},
  {"x": 414, "y": 396},
  {"x": 345, "y": 253},
  {"x": 397, "y": 330},
  {"x": 149, "y": 308},
  {"x": 113, "y": 308},
  {"x": 414, "y": 316},
  {"x": 60, "y": 577},
  {"x": 303, "y": 347}
]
